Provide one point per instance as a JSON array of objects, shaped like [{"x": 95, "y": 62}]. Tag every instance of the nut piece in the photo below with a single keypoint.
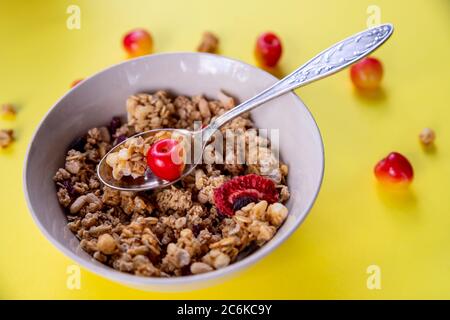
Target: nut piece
[
  {"x": 217, "y": 259},
  {"x": 6, "y": 137},
  {"x": 93, "y": 202},
  {"x": 259, "y": 209},
  {"x": 284, "y": 193},
  {"x": 209, "y": 43},
  {"x": 227, "y": 101},
  {"x": 106, "y": 244},
  {"x": 204, "y": 108},
  {"x": 284, "y": 169},
  {"x": 78, "y": 204},
  {"x": 276, "y": 214},
  {"x": 264, "y": 233},
  {"x": 8, "y": 110},
  {"x": 427, "y": 136},
  {"x": 200, "y": 267},
  {"x": 177, "y": 256}
]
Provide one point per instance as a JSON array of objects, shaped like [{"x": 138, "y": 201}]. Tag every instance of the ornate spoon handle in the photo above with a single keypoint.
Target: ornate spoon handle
[{"x": 330, "y": 61}]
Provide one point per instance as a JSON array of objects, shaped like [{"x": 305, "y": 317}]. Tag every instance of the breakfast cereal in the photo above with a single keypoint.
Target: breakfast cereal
[{"x": 182, "y": 229}]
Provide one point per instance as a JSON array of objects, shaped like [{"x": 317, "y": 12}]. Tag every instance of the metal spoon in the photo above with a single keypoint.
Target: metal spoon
[{"x": 330, "y": 61}]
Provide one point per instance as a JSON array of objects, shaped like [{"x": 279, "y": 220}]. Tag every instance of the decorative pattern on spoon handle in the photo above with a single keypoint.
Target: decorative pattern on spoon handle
[
  {"x": 340, "y": 55},
  {"x": 330, "y": 61}
]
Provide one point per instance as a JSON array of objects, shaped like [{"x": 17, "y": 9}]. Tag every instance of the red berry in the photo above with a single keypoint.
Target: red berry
[
  {"x": 241, "y": 190},
  {"x": 367, "y": 73},
  {"x": 268, "y": 49},
  {"x": 395, "y": 169},
  {"x": 75, "y": 82},
  {"x": 137, "y": 43},
  {"x": 165, "y": 159}
]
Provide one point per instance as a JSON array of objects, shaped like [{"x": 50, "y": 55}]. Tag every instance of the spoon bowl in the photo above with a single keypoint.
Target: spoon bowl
[{"x": 149, "y": 180}]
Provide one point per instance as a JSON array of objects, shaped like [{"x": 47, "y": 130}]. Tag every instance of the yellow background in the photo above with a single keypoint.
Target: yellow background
[{"x": 354, "y": 223}]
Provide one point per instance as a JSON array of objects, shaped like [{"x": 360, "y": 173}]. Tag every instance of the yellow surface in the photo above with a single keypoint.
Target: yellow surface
[{"x": 354, "y": 224}]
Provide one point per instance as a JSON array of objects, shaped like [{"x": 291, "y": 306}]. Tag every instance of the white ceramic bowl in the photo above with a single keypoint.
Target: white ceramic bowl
[{"x": 94, "y": 101}]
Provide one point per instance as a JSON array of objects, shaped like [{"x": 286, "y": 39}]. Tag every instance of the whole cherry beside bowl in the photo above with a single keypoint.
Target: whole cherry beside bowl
[
  {"x": 268, "y": 49},
  {"x": 138, "y": 42},
  {"x": 367, "y": 73},
  {"x": 395, "y": 169}
]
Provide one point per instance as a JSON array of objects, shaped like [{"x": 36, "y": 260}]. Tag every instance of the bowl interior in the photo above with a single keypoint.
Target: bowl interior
[{"x": 94, "y": 101}]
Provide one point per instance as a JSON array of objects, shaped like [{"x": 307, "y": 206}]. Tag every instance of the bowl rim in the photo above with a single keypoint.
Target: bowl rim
[{"x": 134, "y": 280}]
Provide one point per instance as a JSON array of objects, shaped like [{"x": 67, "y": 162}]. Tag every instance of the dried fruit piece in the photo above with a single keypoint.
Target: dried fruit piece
[
  {"x": 78, "y": 144},
  {"x": 209, "y": 43},
  {"x": 427, "y": 136},
  {"x": 115, "y": 124},
  {"x": 395, "y": 169},
  {"x": 242, "y": 201},
  {"x": 241, "y": 187},
  {"x": 165, "y": 159},
  {"x": 6, "y": 138},
  {"x": 120, "y": 139},
  {"x": 8, "y": 110},
  {"x": 268, "y": 49},
  {"x": 138, "y": 42},
  {"x": 367, "y": 73},
  {"x": 69, "y": 187}
]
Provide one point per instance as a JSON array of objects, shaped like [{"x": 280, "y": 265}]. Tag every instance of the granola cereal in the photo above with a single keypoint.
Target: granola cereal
[
  {"x": 178, "y": 230},
  {"x": 8, "y": 110},
  {"x": 6, "y": 138},
  {"x": 209, "y": 43}
]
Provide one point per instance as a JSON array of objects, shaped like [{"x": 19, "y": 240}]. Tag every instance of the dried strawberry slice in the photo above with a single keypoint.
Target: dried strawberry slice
[{"x": 240, "y": 191}]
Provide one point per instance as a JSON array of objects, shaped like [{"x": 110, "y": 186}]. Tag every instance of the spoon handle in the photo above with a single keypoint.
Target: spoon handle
[{"x": 330, "y": 61}]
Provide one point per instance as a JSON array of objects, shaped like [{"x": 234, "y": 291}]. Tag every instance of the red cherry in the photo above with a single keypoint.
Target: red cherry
[
  {"x": 165, "y": 159},
  {"x": 137, "y": 43},
  {"x": 75, "y": 82},
  {"x": 367, "y": 73},
  {"x": 268, "y": 49},
  {"x": 395, "y": 169}
]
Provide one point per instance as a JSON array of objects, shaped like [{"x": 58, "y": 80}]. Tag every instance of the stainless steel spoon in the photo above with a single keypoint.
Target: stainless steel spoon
[{"x": 330, "y": 61}]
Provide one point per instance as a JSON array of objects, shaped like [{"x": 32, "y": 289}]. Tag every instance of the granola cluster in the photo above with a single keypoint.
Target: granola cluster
[
  {"x": 209, "y": 43},
  {"x": 6, "y": 138},
  {"x": 130, "y": 159},
  {"x": 174, "y": 231},
  {"x": 8, "y": 110}
]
